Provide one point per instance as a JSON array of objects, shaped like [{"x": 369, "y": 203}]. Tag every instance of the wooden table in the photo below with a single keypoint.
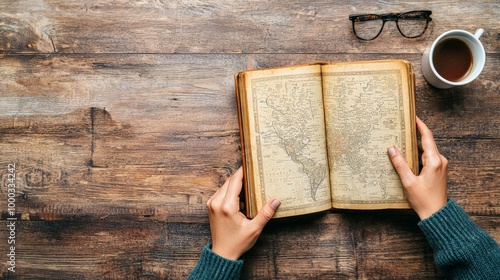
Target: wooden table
[{"x": 120, "y": 118}]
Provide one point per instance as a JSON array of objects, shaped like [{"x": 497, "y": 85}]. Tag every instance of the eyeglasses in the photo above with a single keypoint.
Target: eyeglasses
[{"x": 410, "y": 24}]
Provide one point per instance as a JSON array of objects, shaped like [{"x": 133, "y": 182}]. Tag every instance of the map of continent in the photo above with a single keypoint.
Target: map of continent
[
  {"x": 291, "y": 133},
  {"x": 363, "y": 123}
]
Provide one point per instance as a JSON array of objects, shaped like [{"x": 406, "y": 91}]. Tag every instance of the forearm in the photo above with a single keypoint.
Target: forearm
[
  {"x": 462, "y": 250},
  {"x": 212, "y": 266}
]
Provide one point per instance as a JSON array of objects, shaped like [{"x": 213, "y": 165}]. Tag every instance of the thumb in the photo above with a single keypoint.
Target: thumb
[
  {"x": 266, "y": 213},
  {"x": 400, "y": 164}
]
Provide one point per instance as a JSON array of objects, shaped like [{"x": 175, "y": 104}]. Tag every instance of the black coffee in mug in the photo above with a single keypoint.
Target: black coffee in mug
[{"x": 452, "y": 59}]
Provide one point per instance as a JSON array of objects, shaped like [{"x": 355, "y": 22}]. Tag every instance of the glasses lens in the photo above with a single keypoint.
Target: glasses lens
[
  {"x": 412, "y": 24},
  {"x": 368, "y": 29}
]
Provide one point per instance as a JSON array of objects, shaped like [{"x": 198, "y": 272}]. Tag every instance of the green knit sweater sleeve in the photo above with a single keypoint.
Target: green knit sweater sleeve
[
  {"x": 211, "y": 266},
  {"x": 462, "y": 250}
]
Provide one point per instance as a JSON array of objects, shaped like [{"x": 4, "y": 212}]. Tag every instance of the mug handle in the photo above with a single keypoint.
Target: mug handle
[{"x": 478, "y": 33}]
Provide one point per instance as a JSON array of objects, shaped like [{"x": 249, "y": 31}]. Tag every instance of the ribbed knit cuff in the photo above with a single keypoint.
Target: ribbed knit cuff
[
  {"x": 461, "y": 248},
  {"x": 449, "y": 226},
  {"x": 212, "y": 266}
]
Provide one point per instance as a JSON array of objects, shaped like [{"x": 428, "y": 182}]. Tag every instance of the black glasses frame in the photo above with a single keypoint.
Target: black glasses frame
[{"x": 421, "y": 14}]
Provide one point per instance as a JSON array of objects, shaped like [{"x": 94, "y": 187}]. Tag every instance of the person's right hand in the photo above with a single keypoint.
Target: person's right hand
[{"x": 426, "y": 192}]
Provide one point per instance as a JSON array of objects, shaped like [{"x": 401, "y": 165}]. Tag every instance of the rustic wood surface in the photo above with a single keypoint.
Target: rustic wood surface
[{"x": 120, "y": 118}]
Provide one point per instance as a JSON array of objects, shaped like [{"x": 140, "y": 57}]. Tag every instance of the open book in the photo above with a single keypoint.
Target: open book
[{"x": 315, "y": 136}]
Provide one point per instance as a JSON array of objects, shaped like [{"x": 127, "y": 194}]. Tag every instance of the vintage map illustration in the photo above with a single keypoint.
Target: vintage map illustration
[
  {"x": 363, "y": 119},
  {"x": 291, "y": 137}
]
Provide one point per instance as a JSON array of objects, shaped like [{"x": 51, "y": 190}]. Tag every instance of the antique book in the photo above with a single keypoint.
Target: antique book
[{"x": 315, "y": 136}]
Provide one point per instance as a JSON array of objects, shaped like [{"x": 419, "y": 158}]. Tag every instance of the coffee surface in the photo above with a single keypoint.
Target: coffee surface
[{"x": 452, "y": 59}]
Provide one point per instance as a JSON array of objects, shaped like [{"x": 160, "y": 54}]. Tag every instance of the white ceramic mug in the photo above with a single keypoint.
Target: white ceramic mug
[{"x": 478, "y": 58}]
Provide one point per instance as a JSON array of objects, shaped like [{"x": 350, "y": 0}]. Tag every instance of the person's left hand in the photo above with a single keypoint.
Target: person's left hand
[{"x": 232, "y": 233}]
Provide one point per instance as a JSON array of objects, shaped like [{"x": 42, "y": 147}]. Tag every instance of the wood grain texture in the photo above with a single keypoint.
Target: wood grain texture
[
  {"x": 51, "y": 26},
  {"x": 334, "y": 245},
  {"x": 121, "y": 119}
]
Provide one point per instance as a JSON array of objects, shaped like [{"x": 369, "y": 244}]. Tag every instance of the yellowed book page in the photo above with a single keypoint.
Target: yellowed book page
[
  {"x": 365, "y": 114},
  {"x": 287, "y": 139}
]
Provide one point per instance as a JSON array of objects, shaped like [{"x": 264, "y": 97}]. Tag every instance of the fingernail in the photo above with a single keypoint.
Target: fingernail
[
  {"x": 392, "y": 151},
  {"x": 275, "y": 204}
]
